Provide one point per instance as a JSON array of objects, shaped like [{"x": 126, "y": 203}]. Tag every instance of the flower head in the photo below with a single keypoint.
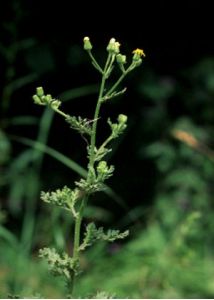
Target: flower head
[
  {"x": 87, "y": 43},
  {"x": 136, "y": 59},
  {"x": 121, "y": 59},
  {"x": 113, "y": 46},
  {"x": 122, "y": 119},
  {"x": 139, "y": 52}
]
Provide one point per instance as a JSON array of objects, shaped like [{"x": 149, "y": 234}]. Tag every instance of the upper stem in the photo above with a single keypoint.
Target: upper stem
[
  {"x": 94, "y": 126},
  {"x": 79, "y": 217},
  {"x": 105, "y": 143},
  {"x": 112, "y": 89},
  {"x": 78, "y": 220},
  {"x": 96, "y": 65},
  {"x": 96, "y": 116},
  {"x": 116, "y": 84}
]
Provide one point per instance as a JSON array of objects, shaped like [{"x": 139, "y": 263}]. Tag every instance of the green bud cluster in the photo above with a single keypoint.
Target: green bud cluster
[
  {"x": 113, "y": 46},
  {"x": 41, "y": 99},
  {"x": 97, "y": 178},
  {"x": 103, "y": 171},
  {"x": 118, "y": 128}
]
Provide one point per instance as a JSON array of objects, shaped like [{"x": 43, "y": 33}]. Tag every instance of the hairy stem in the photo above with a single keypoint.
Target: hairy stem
[
  {"x": 77, "y": 229},
  {"x": 97, "y": 66},
  {"x": 78, "y": 220},
  {"x": 105, "y": 143},
  {"x": 94, "y": 127},
  {"x": 96, "y": 116},
  {"x": 112, "y": 89},
  {"x": 79, "y": 217}
]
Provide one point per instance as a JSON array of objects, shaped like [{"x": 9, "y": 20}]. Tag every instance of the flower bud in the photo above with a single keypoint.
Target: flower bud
[
  {"x": 37, "y": 100},
  {"x": 138, "y": 62},
  {"x": 87, "y": 44},
  {"x": 102, "y": 167},
  {"x": 122, "y": 119},
  {"x": 117, "y": 48},
  {"x": 40, "y": 91},
  {"x": 55, "y": 104},
  {"x": 48, "y": 98},
  {"x": 114, "y": 126},
  {"x": 111, "y": 44},
  {"x": 121, "y": 59}
]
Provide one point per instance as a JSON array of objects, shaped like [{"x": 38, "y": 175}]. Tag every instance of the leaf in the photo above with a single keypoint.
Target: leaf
[
  {"x": 69, "y": 163},
  {"x": 20, "y": 82},
  {"x": 81, "y": 125},
  {"x": 59, "y": 264},
  {"x": 93, "y": 234},
  {"x": 8, "y": 236},
  {"x": 113, "y": 235},
  {"x": 65, "y": 198},
  {"x": 52, "y": 152}
]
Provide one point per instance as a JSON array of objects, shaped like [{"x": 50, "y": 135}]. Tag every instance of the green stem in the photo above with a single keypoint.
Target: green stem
[
  {"x": 78, "y": 220},
  {"x": 112, "y": 89},
  {"x": 79, "y": 217},
  {"x": 96, "y": 116},
  {"x": 77, "y": 229},
  {"x": 60, "y": 112},
  {"x": 105, "y": 143},
  {"x": 94, "y": 127},
  {"x": 96, "y": 65}
]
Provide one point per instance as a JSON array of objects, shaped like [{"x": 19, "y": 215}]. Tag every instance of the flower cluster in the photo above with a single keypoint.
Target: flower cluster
[{"x": 113, "y": 49}]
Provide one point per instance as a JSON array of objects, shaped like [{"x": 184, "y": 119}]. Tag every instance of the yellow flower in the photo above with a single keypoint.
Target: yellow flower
[{"x": 139, "y": 52}]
